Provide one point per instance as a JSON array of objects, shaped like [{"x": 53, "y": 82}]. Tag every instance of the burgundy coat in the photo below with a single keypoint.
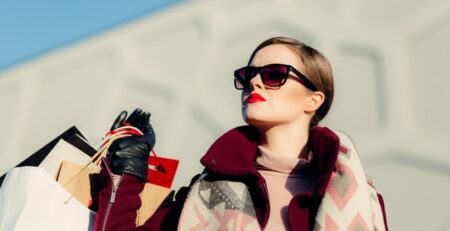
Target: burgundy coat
[{"x": 232, "y": 156}]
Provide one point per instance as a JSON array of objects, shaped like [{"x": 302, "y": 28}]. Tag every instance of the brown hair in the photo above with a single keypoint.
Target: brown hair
[{"x": 318, "y": 71}]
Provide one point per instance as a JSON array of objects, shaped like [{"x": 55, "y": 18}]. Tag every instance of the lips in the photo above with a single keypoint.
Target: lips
[{"x": 254, "y": 98}]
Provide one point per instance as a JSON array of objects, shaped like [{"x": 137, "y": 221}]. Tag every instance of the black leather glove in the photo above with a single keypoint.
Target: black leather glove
[{"x": 130, "y": 154}]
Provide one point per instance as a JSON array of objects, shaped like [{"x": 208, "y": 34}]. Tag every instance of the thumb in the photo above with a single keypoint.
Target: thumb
[{"x": 119, "y": 120}]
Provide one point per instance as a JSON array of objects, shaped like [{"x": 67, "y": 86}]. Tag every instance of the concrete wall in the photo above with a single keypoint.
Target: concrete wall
[{"x": 391, "y": 66}]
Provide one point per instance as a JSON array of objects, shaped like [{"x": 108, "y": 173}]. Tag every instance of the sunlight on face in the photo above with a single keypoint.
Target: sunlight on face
[{"x": 282, "y": 105}]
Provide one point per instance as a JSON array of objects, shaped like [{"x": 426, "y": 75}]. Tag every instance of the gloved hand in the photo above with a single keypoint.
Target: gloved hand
[{"x": 130, "y": 154}]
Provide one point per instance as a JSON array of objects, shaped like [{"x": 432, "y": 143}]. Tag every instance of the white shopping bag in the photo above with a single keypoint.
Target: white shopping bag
[
  {"x": 63, "y": 151},
  {"x": 30, "y": 199}
]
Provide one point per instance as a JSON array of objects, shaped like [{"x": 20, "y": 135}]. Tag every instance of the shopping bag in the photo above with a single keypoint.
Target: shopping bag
[
  {"x": 72, "y": 136},
  {"x": 161, "y": 170},
  {"x": 63, "y": 151},
  {"x": 79, "y": 180},
  {"x": 152, "y": 197},
  {"x": 31, "y": 199}
]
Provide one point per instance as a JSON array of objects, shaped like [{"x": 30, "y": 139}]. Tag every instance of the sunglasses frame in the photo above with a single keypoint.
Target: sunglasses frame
[{"x": 259, "y": 70}]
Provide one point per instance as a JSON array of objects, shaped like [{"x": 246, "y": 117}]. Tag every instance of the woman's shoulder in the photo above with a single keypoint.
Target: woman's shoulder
[{"x": 345, "y": 140}]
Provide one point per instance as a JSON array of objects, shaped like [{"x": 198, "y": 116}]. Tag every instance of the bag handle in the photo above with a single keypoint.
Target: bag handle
[
  {"x": 110, "y": 137},
  {"x": 160, "y": 167}
]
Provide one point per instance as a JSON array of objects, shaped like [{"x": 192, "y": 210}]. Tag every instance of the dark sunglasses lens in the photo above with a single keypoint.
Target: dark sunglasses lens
[
  {"x": 275, "y": 75},
  {"x": 243, "y": 76},
  {"x": 238, "y": 84}
]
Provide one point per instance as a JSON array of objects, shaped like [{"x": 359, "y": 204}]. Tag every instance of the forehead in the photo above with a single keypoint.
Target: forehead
[{"x": 277, "y": 53}]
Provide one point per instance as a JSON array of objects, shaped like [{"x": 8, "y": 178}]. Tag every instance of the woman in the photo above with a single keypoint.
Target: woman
[{"x": 281, "y": 172}]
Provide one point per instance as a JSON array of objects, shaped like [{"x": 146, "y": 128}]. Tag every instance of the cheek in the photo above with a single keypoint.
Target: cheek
[{"x": 291, "y": 100}]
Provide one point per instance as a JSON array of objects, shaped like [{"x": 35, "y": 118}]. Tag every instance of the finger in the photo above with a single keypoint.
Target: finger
[
  {"x": 143, "y": 121},
  {"x": 134, "y": 117},
  {"x": 148, "y": 125},
  {"x": 119, "y": 120}
]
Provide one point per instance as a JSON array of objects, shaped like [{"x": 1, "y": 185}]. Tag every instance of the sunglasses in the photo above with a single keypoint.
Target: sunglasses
[{"x": 272, "y": 75}]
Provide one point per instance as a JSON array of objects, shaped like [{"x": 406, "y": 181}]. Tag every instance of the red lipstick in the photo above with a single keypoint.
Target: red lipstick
[{"x": 254, "y": 98}]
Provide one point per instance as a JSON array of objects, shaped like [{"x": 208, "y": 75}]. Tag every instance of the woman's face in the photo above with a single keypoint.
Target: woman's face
[{"x": 282, "y": 105}]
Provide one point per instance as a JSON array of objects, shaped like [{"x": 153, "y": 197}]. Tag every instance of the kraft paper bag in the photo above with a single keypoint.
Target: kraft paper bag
[
  {"x": 31, "y": 199},
  {"x": 80, "y": 183},
  {"x": 152, "y": 197}
]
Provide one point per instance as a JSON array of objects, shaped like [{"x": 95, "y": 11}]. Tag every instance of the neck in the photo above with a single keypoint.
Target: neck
[{"x": 286, "y": 139}]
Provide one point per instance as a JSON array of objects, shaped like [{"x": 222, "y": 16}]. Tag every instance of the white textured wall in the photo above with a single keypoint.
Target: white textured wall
[{"x": 392, "y": 73}]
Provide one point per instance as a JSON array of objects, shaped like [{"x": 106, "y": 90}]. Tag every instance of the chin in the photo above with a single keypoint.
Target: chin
[{"x": 259, "y": 122}]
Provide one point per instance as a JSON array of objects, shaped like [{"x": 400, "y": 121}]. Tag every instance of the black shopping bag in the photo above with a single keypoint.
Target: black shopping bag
[{"x": 71, "y": 135}]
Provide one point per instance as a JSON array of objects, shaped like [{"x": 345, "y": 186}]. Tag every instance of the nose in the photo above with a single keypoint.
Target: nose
[{"x": 256, "y": 82}]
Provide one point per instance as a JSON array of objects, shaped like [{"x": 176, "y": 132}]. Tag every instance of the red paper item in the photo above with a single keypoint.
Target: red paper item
[{"x": 161, "y": 170}]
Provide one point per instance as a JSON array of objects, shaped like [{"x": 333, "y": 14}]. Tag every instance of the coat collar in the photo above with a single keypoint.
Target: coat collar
[{"x": 234, "y": 153}]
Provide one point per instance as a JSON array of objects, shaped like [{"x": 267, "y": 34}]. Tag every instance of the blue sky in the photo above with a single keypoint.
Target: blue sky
[{"x": 29, "y": 29}]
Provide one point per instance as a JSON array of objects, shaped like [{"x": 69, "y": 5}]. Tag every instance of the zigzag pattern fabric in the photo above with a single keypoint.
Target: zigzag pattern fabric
[
  {"x": 218, "y": 205},
  {"x": 350, "y": 202}
]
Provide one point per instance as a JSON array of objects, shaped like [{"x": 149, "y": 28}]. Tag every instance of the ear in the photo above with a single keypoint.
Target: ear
[{"x": 314, "y": 101}]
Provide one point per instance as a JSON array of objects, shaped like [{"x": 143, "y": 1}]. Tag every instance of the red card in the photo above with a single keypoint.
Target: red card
[{"x": 161, "y": 171}]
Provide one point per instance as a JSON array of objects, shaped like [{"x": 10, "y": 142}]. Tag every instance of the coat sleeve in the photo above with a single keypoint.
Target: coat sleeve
[{"x": 117, "y": 205}]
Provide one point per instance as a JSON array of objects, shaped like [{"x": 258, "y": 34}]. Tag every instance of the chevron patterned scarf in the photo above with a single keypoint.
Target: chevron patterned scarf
[{"x": 350, "y": 203}]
